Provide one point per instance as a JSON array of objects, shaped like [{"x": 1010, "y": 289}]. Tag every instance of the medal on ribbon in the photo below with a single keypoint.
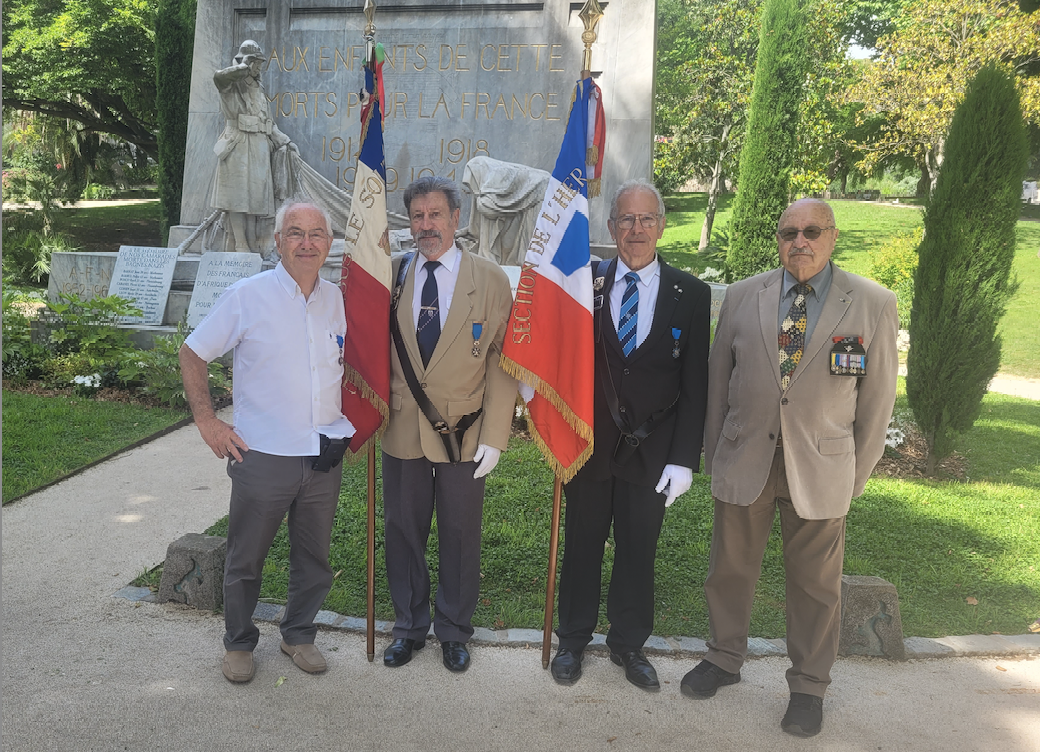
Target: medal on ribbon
[
  {"x": 676, "y": 333},
  {"x": 477, "y": 329}
]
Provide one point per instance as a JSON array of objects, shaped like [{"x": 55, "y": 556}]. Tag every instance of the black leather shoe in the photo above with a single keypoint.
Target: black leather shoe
[
  {"x": 705, "y": 680},
  {"x": 566, "y": 666},
  {"x": 804, "y": 716},
  {"x": 456, "y": 657},
  {"x": 400, "y": 651},
  {"x": 637, "y": 669}
]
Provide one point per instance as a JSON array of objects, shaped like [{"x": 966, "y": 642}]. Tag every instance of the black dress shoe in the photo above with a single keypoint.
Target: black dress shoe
[
  {"x": 637, "y": 669},
  {"x": 804, "y": 716},
  {"x": 566, "y": 666},
  {"x": 400, "y": 651},
  {"x": 705, "y": 680},
  {"x": 456, "y": 657}
]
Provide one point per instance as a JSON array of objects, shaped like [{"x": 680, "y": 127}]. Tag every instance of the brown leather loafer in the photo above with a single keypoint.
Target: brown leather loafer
[
  {"x": 306, "y": 656},
  {"x": 238, "y": 666}
]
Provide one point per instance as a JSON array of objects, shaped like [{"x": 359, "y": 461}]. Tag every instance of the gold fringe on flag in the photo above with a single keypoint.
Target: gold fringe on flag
[
  {"x": 592, "y": 155},
  {"x": 583, "y": 429},
  {"x": 594, "y": 187},
  {"x": 352, "y": 377}
]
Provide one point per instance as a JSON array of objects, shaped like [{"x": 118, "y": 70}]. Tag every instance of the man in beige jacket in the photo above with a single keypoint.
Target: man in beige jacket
[
  {"x": 801, "y": 384},
  {"x": 450, "y": 414}
]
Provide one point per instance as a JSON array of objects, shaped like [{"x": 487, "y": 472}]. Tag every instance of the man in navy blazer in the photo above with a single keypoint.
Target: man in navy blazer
[{"x": 652, "y": 331}]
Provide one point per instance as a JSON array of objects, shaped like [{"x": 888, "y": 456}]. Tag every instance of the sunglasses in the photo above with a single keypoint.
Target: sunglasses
[{"x": 812, "y": 232}]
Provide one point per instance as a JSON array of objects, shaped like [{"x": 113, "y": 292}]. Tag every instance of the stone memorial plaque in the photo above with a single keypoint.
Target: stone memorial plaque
[
  {"x": 462, "y": 79},
  {"x": 85, "y": 275},
  {"x": 143, "y": 275},
  {"x": 217, "y": 272}
]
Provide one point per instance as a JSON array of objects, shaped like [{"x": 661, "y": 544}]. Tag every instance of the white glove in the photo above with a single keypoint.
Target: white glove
[
  {"x": 677, "y": 480},
  {"x": 486, "y": 458}
]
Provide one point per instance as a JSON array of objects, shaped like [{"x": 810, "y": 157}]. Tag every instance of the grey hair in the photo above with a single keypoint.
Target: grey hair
[
  {"x": 635, "y": 184},
  {"x": 279, "y": 217},
  {"x": 432, "y": 184}
]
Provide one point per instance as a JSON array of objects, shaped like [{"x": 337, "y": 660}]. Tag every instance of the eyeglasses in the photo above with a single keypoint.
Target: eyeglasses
[
  {"x": 812, "y": 232},
  {"x": 315, "y": 236},
  {"x": 628, "y": 221}
]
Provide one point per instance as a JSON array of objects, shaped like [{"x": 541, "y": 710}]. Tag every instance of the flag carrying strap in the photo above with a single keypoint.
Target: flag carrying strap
[
  {"x": 452, "y": 437},
  {"x": 630, "y": 440}
]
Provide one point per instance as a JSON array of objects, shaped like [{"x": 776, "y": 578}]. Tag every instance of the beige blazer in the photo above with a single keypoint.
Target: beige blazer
[
  {"x": 833, "y": 427},
  {"x": 456, "y": 381}
]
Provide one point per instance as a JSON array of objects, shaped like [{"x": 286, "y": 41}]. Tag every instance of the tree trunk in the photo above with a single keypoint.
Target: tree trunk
[
  {"x": 714, "y": 189},
  {"x": 924, "y": 185}
]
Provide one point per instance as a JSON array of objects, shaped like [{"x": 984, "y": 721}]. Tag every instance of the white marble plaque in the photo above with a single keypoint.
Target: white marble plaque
[
  {"x": 217, "y": 272},
  {"x": 143, "y": 275}
]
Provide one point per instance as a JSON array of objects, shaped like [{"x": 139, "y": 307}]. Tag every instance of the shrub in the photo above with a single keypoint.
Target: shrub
[
  {"x": 157, "y": 371},
  {"x": 894, "y": 265},
  {"x": 22, "y": 358},
  {"x": 87, "y": 329},
  {"x": 94, "y": 192}
]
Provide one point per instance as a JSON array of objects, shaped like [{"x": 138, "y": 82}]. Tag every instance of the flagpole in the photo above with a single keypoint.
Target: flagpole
[
  {"x": 370, "y": 622},
  {"x": 590, "y": 14}
]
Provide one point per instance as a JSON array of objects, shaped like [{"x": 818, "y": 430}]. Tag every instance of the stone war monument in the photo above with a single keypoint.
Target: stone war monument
[{"x": 466, "y": 80}]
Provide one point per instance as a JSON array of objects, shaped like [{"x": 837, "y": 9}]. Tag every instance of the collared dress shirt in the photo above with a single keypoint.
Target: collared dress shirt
[
  {"x": 648, "y": 285},
  {"x": 288, "y": 362},
  {"x": 447, "y": 274}
]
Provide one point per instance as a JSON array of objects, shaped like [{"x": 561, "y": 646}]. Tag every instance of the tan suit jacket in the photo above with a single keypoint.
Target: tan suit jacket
[
  {"x": 833, "y": 427},
  {"x": 456, "y": 381}
]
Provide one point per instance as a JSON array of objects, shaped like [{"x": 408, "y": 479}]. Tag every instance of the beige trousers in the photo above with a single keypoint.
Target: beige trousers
[{"x": 813, "y": 554}]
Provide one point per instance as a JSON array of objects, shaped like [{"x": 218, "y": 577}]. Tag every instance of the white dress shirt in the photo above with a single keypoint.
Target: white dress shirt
[
  {"x": 447, "y": 274},
  {"x": 288, "y": 359},
  {"x": 648, "y": 285}
]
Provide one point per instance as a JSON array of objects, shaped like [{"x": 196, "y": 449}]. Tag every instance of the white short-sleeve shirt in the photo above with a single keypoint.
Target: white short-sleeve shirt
[{"x": 288, "y": 362}]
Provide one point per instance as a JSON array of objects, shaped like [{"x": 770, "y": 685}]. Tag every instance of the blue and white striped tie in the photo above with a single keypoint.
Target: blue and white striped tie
[{"x": 629, "y": 314}]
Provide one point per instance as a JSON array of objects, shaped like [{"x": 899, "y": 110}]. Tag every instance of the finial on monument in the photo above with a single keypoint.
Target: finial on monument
[{"x": 590, "y": 15}]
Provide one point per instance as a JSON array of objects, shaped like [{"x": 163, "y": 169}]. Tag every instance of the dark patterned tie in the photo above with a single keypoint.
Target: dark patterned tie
[
  {"x": 428, "y": 330},
  {"x": 792, "y": 335},
  {"x": 629, "y": 314}
]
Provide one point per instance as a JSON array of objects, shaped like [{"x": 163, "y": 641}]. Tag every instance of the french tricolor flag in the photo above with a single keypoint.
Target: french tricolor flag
[
  {"x": 367, "y": 277},
  {"x": 549, "y": 339}
]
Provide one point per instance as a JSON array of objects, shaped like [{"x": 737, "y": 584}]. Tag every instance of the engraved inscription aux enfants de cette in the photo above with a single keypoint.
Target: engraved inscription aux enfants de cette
[{"x": 515, "y": 60}]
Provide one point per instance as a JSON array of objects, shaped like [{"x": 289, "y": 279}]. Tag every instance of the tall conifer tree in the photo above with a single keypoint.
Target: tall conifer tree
[
  {"x": 770, "y": 148},
  {"x": 963, "y": 280},
  {"x": 174, "y": 46}
]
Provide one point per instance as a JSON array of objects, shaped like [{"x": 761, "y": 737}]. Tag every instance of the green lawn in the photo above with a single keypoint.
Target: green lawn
[
  {"x": 866, "y": 226},
  {"x": 46, "y": 438},
  {"x": 940, "y": 542}
]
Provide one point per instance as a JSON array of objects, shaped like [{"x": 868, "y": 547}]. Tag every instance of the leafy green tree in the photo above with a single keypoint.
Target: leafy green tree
[
  {"x": 770, "y": 144},
  {"x": 963, "y": 280},
  {"x": 87, "y": 61},
  {"x": 923, "y": 66},
  {"x": 174, "y": 42},
  {"x": 705, "y": 71}
]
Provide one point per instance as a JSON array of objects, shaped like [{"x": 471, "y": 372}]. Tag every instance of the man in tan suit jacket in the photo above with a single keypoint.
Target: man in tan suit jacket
[
  {"x": 464, "y": 300},
  {"x": 798, "y": 432}
]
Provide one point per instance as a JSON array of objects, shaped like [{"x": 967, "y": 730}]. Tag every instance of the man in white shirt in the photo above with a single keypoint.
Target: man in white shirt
[
  {"x": 448, "y": 323},
  {"x": 286, "y": 327},
  {"x": 652, "y": 331}
]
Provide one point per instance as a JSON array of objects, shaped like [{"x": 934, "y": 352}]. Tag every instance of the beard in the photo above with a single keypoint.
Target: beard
[{"x": 429, "y": 243}]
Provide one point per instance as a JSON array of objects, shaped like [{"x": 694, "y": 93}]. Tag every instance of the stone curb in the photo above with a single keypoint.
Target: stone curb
[{"x": 758, "y": 647}]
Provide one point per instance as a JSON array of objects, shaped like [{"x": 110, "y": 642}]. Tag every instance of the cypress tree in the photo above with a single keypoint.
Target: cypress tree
[
  {"x": 174, "y": 46},
  {"x": 963, "y": 281},
  {"x": 763, "y": 186}
]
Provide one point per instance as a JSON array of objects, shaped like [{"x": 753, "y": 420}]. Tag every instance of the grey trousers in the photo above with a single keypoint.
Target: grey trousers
[
  {"x": 264, "y": 487},
  {"x": 814, "y": 551},
  {"x": 412, "y": 489}
]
